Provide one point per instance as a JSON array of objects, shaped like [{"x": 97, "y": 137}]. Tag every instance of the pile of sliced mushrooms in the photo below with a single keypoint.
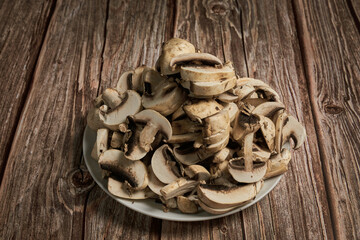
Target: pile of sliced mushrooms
[{"x": 191, "y": 133}]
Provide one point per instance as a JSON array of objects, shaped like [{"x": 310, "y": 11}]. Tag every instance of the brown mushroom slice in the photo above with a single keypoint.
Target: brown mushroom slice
[
  {"x": 278, "y": 164},
  {"x": 131, "y": 105},
  {"x": 197, "y": 172},
  {"x": 243, "y": 91},
  {"x": 201, "y": 73},
  {"x": 206, "y": 151},
  {"x": 202, "y": 109},
  {"x": 102, "y": 137},
  {"x": 209, "y": 89},
  {"x": 216, "y": 123},
  {"x": 186, "y": 137},
  {"x": 232, "y": 110},
  {"x": 168, "y": 204},
  {"x": 120, "y": 189},
  {"x": 279, "y": 119},
  {"x": 155, "y": 123},
  {"x": 93, "y": 119},
  {"x": 237, "y": 170},
  {"x": 131, "y": 140},
  {"x": 116, "y": 140},
  {"x": 293, "y": 129},
  {"x": 178, "y": 187},
  {"x": 251, "y": 82},
  {"x": 228, "y": 97},
  {"x": 216, "y": 196},
  {"x": 170, "y": 49},
  {"x": 244, "y": 123},
  {"x": 133, "y": 172},
  {"x": 164, "y": 165},
  {"x": 260, "y": 153},
  {"x": 185, "y": 205},
  {"x": 111, "y": 97},
  {"x": 268, "y": 131},
  {"x": 222, "y": 155},
  {"x": 185, "y": 125},
  {"x": 125, "y": 82},
  {"x": 186, "y": 155},
  {"x": 179, "y": 113},
  {"x": 215, "y": 210},
  {"x": 154, "y": 183},
  {"x": 98, "y": 101},
  {"x": 268, "y": 108},
  {"x": 194, "y": 58},
  {"x": 217, "y": 137}
]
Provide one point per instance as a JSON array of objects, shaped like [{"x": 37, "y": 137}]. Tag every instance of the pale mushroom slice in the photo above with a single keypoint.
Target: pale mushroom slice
[
  {"x": 293, "y": 129},
  {"x": 171, "y": 49},
  {"x": 202, "y": 109},
  {"x": 209, "y": 89},
  {"x": 217, "y": 137},
  {"x": 197, "y": 172},
  {"x": 102, "y": 140},
  {"x": 186, "y": 154},
  {"x": 120, "y": 189},
  {"x": 111, "y": 98},
  {"x": 154, "y": 183},
  {"x": 267, "y": 109},
  {"x": 228, "y": 97},
  {"x": 243, "y": 91},
  {"x": 278, "y": 164},
  {"x": 222, "y": 155},
  {"x": 216, "y": 123},
  {"x": 131, "y": 104},
  {"x": 117, "y": 140},
  {"x": 186, "y": 137},
  {"x": 132, "y": 172},
  {"x": 161, "y": 94},
  {"x": 185, "y": 205},
  {"x": 268, "y": 131},
  {"x": 155, "y": 123},
  {"x": 232, "y": 110},
  {"x": 216, "y": 196},
  {"x": 184, "y": 126},
  {"x": 178, "y": 187},
  {"x": 244, "y": 124},
  {"x": 125, "y": 82},
  {"x": 203, "y": 73},
  {"x": 179, "y": 113},
  {"x": 164, "y": 165},
  {"x": 194, "y": 59},
  {"x": 131, "y": 139},
  {"x": 260, "y": 153},
  {"x": 218, "y": 170},
  {"x": 215, "y": 210},
  {"x": 279, "y": 119},
  {"x": 209, "y": 150}
]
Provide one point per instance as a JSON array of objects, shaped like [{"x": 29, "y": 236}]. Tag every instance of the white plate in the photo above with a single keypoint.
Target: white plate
[{"x": 149, "y": 206}]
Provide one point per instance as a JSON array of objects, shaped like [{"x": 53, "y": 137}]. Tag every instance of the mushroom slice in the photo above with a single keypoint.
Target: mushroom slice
[
  {"x": 194, "y": 58},
  {"x": 243, "y": 91},
  {"x": 268, "y": 131},
  {"x": 278, "y": 164},
  {"x": 116, "y": 140},
  {"x": 186, "y": 137},
  {"x": 216, "y": 123},
  {"x": 293, "y": 129},
  {"x": 217, "y": 137},
  {"x": 279, "y": 119},
  {"x": 102, "y": 140},
  {"x": 228, "y": 97},
  {"x": 93, "y": 119},
  {"x": 154, "y": 183},
  {"x": 185, "y": 125},
  {"x": 213, "y": 148},
  {"x": 131, "y": 140},
  {"x": 197, "y": 172},
  {"x": 186, "y": 154},
  {"x": 251, "y": 82},
  {"x": 125, "y": 82},
  {"x": 179, "y": 113},
  {"x": 185, "y": 205},
  {"x": 260, "y": 153},
  {"x": 131, "y": 104},
  {"x": 215, "y": 210},
  {"x": 155, "y": 123},
  {"x": 94, "y": 152},
  {"x": 202, "y": 109},
  {"x": 178, "y": 187},
  {"x": 111, "y": 97},
  {"x": 121, "y": 190},
  {"x": 133, "y": 172},
  {"x": 244, "y": 123},
  {"x": 237, "y": 170},
  {"x": 164, "y": 165},
  {"x": 268, "y": 108},
  {"x": 201, "y": 73},
  {"x": 98, "y": 101},
  {"x": 170, "y": 49},
  {"x": 209, "y": 89},
  {"x": 232, "y": 110},
  {"x": 219, "y": 169},
  {"x": 216, "y": 196},
  {"x": 222, "y": 155}
]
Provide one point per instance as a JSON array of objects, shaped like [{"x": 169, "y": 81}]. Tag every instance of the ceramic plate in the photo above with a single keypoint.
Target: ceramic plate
[{"x": 149, "y": 206}]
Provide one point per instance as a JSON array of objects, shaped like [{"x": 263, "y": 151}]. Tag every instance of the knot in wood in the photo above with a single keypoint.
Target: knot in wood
[
  {"x": 80, "y": 181},
  {"x": 333, "y": 109},
  {"x": 223, "y": 229},
  {"x": 219, "y": 8}
]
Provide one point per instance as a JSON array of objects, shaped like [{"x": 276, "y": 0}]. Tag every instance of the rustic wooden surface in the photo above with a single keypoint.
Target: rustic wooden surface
[{"x": 55, "y": 56}]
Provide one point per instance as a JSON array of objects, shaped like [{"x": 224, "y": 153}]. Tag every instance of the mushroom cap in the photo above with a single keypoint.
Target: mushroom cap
[
  {"x": 134, "y": 172},
  {"x": 216, "y": 196},
  {"x": 203, "y": 73},
  {"x": 200, "y": 109},
  {"x": 209, "y": 89},
  {"x": 237, "y": 170},
  {"x": 164, "y": 166},
  {"x": 154, "y": 183},
  {"x": 125, "y": 82},
  {"x": 187, "y": 156},
  {"x": 267, "y": 109},
  {"x": 131, "y": 104},
  {"x": 293, "y": 129},
  {"x": 197, "y": 58},
  {"x": 93, "y": 119},
  {"x": 119, "y": 189}
]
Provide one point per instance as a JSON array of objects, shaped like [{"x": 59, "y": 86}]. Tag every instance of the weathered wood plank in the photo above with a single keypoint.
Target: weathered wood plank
[
  {"x": 331, "y": 50},
  {"x": 269, "y": 51},
  {"x": 134, "y": 34},
  {"x": 43, "y": 192},
  {"x": 22, "y": 26}
]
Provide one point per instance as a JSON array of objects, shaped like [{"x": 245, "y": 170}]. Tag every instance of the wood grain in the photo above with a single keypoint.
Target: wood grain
[
  {"x": 134, "y": 35},
  {"x": 330, "y": 44},
  {"x": 22, "y": 27},
  {"x": 44, "y": 191}
]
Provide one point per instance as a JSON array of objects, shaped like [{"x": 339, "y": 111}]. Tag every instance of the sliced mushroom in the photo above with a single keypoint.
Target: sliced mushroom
[
  {"x": 237, "y": 170},
  {"x": 279, "y": 119},
  {"x": 178, "y": 187},
  {"x": 268, "y": 131},
  {"x": 207, "y": 151},
  {"x": 93, "y": 119},
  {"x": 224, "y": 154},
  {"x": 215, "y": 210},
  {"x": 111, "y": 98},
  {"x": 194, "y": 58},
  {"x": 209, "y": 89},
  {"x": 185, "y": 205},
  {"x": 116, "y": 140},
  {"x": 278, "y": 164},
  {"x": 197, "y": 172},
  {"x": 186, "y": 137},
  {"x": 169, "y": 203},
  {"x": 132, "y": 172},
  {"x": 102, "y": 140},
  {"x": 228, "y": 97},
  {"x": 260, "y": 153},
  {"x": 217, "y": 137},
  {"x": 219, "y": 169},
  {"x": 131, "y": 140},
  {"x": 164, "y": 165},
  {"x": 186, "y": 155},
  {"x": 243, "y": 91},
  {"x": 125, "y": 82},
  {"x": 293, "y": 129},
  {"x": 216, "y": 196},
  {"x": 184, "y": 126},
  {"x": 202, "y": 109},
  {"x": 131, "y": 104},
  {"x": 268, "y": 108},
  {"x": 155, "y": 123},
  {"x": 121, "y": 190},
  {"x": 232, "y": 110},
  {"x": 94, "y": 152},
  {"x": 244, "y": 124},
  {"x": 202, "y": 73},
  {"x": 179, "y": 113},
  {"x": 170, "y": 49},
  {"x": 98, "y": 101},
  {"x": 154, "y": 183},
  {"x": 216, "y": 123}
]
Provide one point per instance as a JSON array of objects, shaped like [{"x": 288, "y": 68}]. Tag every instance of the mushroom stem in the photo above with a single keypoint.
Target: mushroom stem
[
  {"x": 248, "y": 159},
  {"x": 147, "y": 135}
]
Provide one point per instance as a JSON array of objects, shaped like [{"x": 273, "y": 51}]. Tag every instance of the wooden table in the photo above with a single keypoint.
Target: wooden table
[{"x": 56, "y": 56}]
